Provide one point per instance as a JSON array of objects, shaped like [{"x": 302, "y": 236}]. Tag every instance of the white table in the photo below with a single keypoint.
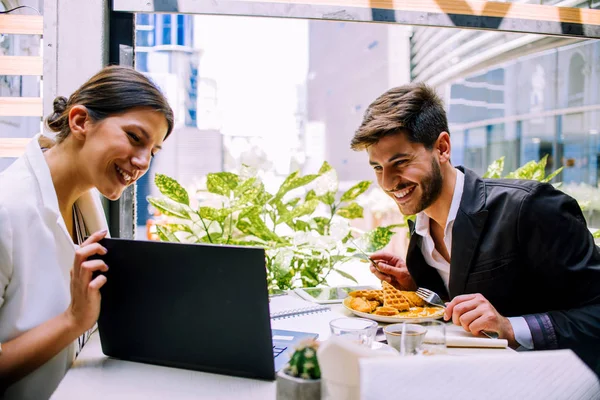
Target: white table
[{"x": 95, "y": 376}]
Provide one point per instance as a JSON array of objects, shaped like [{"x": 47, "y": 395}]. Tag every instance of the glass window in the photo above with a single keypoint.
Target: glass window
[
  {"x": 166, "y": 30},
  {"x": 181, "y": 30}
]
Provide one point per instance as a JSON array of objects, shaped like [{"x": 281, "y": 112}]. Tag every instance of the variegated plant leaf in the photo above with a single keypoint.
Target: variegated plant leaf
[
  {"x": 351, "y": 211},
  {"x": 495, "y": 169},
  {"x": 172, "y": 189},
  {"x": 356, "y": 191},
  {"x": 169, "y": 207},
  {"x": 166, "y": 235},
  {"x": 222, "y": 183}
]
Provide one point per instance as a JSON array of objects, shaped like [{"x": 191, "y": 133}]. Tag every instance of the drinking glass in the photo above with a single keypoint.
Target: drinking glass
[
  {"x": 435, "y": 338},
  {"x": 360, "y": 330}
]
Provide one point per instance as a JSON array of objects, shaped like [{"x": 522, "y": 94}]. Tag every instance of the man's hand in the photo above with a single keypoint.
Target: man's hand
[
  {"x": 393, "y": 270},
  {"x": 475, "y": 314}
]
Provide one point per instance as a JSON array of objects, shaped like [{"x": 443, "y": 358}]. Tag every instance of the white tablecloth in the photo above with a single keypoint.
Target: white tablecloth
[{"x": 95, "y": 376}]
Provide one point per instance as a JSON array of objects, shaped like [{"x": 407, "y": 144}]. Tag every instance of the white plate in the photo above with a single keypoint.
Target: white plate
[{"x": 394, "y": 318}]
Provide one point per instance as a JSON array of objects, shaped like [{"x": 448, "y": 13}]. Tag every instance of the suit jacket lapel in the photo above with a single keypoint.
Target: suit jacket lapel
[
  {"x": 466, "y": 232},
  {"x": 423, "y": 274}
]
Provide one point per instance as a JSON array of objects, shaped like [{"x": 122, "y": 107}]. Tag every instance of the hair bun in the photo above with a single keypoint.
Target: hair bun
[
  {"x": 59, "y": 105},
  {"x": 57, "y": 120}
]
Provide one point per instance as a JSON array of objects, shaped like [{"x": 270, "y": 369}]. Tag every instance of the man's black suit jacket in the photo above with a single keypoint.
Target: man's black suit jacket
[{"x": 524, "y": 246}]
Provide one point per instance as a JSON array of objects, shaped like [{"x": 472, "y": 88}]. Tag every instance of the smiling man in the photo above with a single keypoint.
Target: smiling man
[{"x": 513, "y": 257}]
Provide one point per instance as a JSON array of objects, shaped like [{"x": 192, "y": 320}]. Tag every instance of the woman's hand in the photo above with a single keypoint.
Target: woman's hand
[
  {"x": 85, "y": 292},
  {"x": 393, "y": 270}
]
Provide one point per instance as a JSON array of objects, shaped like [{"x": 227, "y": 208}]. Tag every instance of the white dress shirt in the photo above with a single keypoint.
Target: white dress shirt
[
  {"x": 433, "y": 257},
  {"x": 36, "y": 256}
]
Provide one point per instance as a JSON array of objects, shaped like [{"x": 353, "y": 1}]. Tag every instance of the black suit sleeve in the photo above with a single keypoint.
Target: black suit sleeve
[{"x": 562, "y": 254}]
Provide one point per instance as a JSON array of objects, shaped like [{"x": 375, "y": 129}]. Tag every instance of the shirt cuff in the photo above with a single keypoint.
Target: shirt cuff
[
  {"x": 522, "y": 332},
  {"x": 542, "y": 331}
]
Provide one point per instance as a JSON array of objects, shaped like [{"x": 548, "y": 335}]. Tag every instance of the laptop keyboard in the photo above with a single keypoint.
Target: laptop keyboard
[{"x": 278, "y": 350}]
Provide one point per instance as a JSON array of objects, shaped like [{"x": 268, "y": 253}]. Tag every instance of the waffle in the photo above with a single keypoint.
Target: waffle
[
  {"x": 392, "y": 297},
  {"x": 386, "y": 311},
  {"x": 413, "y": 299},
  {"x": 368, "y": 294}
]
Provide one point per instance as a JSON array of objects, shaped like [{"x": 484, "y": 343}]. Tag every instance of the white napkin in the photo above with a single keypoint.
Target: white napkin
[
  {"x": 339, "y": 364},
  {"x": 456, "y": 336},
  {"x": 535, "y": 375}
]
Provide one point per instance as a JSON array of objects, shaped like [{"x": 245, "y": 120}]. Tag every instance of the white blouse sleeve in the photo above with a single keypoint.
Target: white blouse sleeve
[{"x": 6, "y": 244}]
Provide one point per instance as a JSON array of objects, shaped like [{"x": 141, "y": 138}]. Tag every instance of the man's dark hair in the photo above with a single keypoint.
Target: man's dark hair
[{"x": 414, "y": 109}]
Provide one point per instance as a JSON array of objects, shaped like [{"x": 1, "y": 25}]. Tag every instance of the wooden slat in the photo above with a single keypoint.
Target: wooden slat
[
  {"x": 22, "y": 24},
  {"x": 13, "y": 147},
  {"x": 21, "y": 65},
  {"x": 21, "y": 107}
]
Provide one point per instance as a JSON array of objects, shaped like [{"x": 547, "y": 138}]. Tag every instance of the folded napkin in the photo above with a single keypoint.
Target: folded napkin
[
  {"x": 456, "y": 336},
  {"x": 339, "y": 364}
]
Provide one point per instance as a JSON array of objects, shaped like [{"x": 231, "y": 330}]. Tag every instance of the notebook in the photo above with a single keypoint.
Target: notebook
[
  {"x": 194, "y": 306},
  {"x": 289, "y": 306}
]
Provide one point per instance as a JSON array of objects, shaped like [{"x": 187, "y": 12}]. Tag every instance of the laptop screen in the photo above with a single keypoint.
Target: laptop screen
[{"x": 202, "y": 307}]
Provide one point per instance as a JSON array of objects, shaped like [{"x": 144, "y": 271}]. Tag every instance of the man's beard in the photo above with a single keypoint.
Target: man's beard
[{"x": 431, "y": 187}]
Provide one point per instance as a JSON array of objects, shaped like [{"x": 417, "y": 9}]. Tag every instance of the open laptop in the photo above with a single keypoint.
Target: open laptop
[{"x": 194, "y": 306}]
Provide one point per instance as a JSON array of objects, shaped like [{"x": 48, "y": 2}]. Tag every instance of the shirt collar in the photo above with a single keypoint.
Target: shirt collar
[
  {"x": 39, "y": 167},
  {"x": 422, "y": 221}
]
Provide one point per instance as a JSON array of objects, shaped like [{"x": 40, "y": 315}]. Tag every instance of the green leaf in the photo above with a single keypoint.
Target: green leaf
[
  {"x": 165, "y": 235},
  {"x": 495, "y": 169},
  {"x": 293, "y": 202},
  {"x": 256, "y": 227},
  {"x": 328, "y": 198},
  {"x": 325, "y": 167},
  {"x": 346, "y": 275},
  {"x": 214, "y": 214},
  {"x": 351, "y": 211},
  {"x": 356, "y": 191},
  {"x": 301, "y": 226},
  {"x": 552, "y": 175},
  {"x": 244, "y": 186},
  {"x": 179, "y": 228},
  {"x": 169, "y": 207},
  {"x": 253, "y": 211},
  {"x": 293, "y": 181},
  {"x": 310, "y": 195},
  {"x": 321, "y": 223},
  {"x": 596, "y": 234},
  {"x": 378, "y": 238},
  {"x": 221, "y": 183},
  {"x": 305, "y": 208},
  {"x": 172, "y": 189}
]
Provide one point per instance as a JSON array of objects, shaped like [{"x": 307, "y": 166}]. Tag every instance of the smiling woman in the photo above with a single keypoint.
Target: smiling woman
[{"x": 107, "y": 133}]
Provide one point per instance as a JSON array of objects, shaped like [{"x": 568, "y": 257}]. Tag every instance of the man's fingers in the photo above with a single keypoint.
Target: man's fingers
[
  {"x": 380, "y": 276},
  {"x": 456, "y": 301},
  {"x": 466, "y": 319},
  {"x": 459, "y": 309},
  {"x": 384, "y": 256}
]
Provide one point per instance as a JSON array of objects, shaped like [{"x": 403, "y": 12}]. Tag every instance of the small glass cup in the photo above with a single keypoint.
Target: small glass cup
[
  {"x": 360, "y": 330},
  {"x": 435, "y": 338},
  {"x": 407, "y": 338}
]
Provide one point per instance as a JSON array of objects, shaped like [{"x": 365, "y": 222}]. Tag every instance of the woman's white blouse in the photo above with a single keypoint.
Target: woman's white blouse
[{"x": 36, "y": 255}]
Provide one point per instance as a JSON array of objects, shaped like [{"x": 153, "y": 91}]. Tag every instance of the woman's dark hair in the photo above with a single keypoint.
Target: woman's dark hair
[
  {"x": 414, "y": 109},
  {"x": 113, "y": 90}
]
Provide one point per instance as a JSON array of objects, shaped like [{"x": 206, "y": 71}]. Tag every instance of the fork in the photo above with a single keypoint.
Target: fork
[{"x": 433, "y": 298}]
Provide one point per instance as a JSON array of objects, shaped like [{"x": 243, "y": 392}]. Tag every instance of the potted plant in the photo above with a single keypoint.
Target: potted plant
[
  {"x": 304, "y": 226},
  {"x": 301, "y": 377}
]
